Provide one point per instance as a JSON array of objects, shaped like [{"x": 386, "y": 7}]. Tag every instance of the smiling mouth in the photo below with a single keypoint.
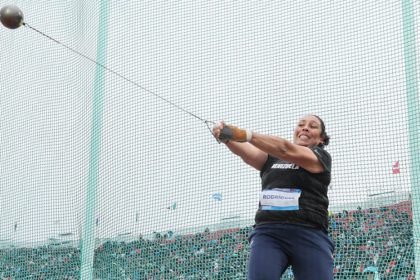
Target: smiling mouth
[{"x": 303, "y": 137}]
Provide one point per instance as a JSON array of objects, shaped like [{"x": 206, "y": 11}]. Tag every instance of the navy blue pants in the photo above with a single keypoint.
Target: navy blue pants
[{"x": 276, "y": 246}]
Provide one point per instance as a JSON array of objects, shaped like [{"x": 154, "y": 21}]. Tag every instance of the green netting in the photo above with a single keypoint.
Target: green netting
[{"x": 102, "y": 179}]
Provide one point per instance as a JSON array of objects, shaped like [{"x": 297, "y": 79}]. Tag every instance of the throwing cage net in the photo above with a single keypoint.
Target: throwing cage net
[{"x": 109, "y": 172}]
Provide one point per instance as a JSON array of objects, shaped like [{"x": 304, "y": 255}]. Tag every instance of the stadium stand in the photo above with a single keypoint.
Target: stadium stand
[{"x": 373, "y": 241}]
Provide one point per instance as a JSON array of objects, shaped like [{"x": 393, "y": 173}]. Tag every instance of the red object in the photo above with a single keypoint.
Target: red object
[{"x": 396, "y": 167}]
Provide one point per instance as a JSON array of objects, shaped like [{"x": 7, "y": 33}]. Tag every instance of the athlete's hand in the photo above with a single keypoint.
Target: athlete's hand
[
  {"x": 225, "y": 132},
  {"x": 217, "y": 128}
]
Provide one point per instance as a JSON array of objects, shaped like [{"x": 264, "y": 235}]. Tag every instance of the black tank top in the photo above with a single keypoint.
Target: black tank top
[{"x": 312, "y": 209}]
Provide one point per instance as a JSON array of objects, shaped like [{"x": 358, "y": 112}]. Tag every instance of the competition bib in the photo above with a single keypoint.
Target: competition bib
[{"x": 280, "y": 199}]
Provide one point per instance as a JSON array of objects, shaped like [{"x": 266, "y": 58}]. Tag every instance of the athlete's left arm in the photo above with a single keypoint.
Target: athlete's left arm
[{"x": 286, "y": 150}]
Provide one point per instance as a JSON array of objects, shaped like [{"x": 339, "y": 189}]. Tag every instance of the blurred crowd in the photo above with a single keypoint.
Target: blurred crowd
[{"x": 375, "y": 242}]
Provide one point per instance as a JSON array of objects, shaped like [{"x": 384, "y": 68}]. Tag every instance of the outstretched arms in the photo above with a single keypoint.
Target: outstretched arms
[{"x": 254, "y": 148}]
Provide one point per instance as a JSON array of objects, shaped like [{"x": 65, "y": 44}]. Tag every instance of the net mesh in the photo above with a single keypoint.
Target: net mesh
[{"x": 102, "y": 177}]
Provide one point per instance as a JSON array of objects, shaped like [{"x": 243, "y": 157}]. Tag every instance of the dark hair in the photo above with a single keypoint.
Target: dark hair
[{"x": 324, "y": 134}]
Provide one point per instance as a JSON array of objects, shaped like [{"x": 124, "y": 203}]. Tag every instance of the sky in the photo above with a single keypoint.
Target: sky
[{"x": 260, "y": 65}]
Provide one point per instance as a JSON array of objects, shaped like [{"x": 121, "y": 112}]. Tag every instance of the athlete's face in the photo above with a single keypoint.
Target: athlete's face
[{"x": 308, "y": 132}]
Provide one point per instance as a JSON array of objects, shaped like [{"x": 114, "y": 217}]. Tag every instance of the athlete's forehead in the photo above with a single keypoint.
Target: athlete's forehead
[{"x": 308, "y": 119}]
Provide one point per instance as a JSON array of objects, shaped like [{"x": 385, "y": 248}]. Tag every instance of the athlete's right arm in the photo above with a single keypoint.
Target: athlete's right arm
[{"x": 250, "y": 154}]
